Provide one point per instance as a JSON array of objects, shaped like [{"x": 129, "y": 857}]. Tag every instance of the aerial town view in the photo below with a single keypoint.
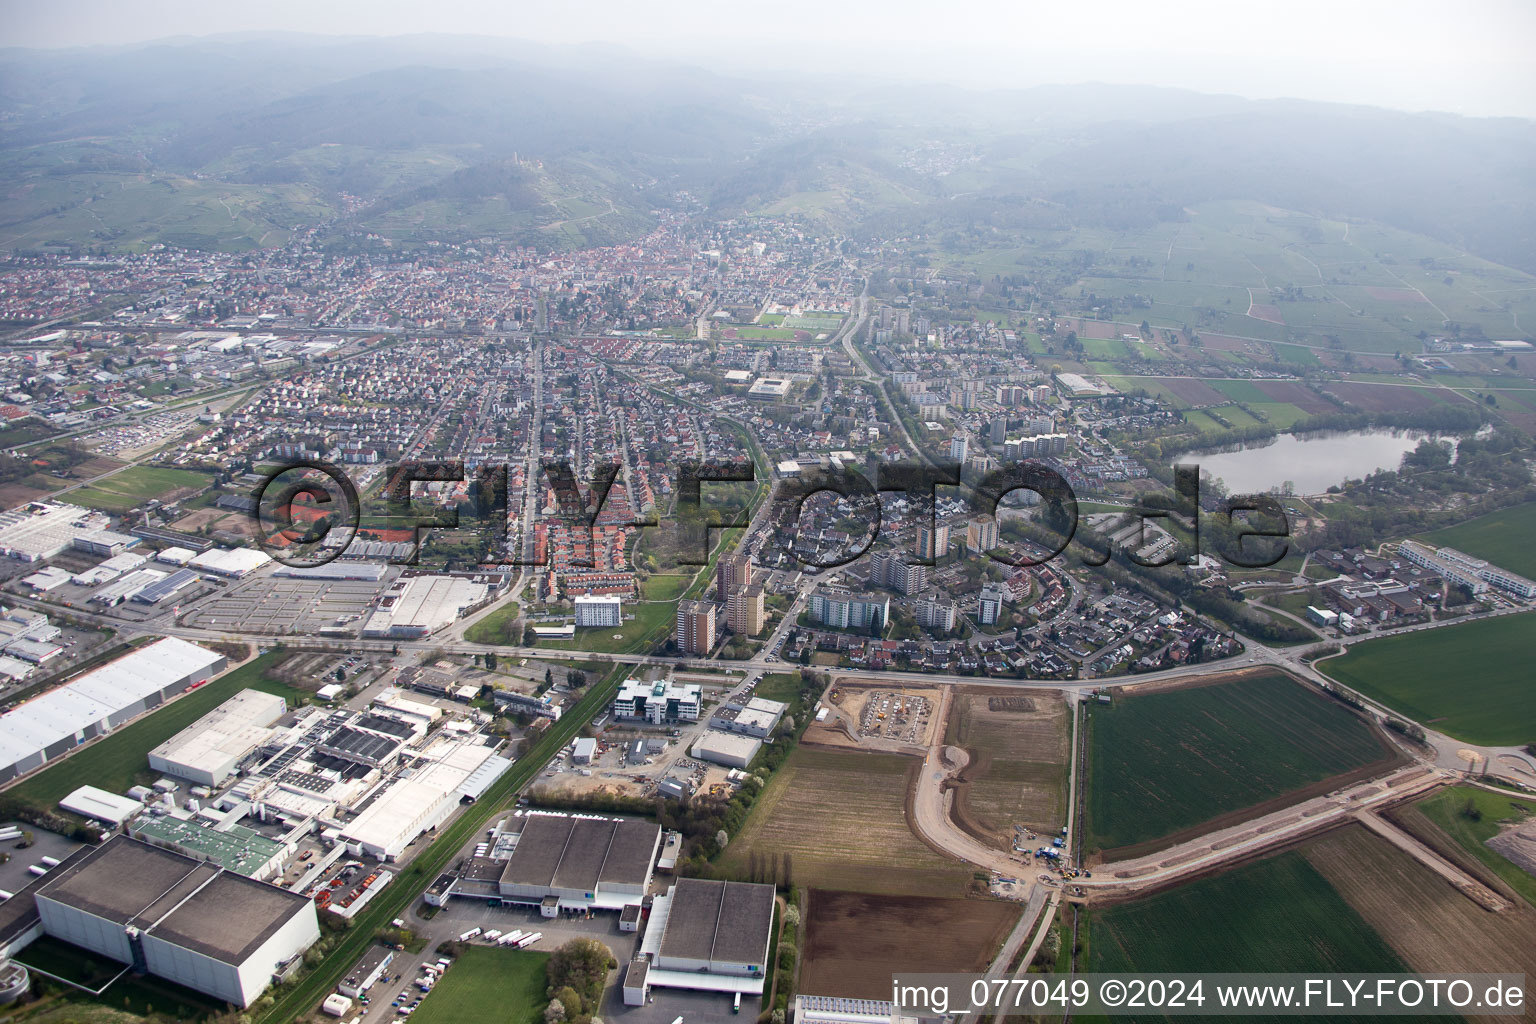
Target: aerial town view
[{"x": 685, "y": 514}]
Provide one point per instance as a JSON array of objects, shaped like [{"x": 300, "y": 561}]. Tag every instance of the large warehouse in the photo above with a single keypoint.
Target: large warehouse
[
  {"x": 731, "y": 749},
  {"x": 177, "y": 918},
  {"x": 581, "y": 863},
  {"x": 418, "y": 606},
  {"x": 707, "y": 935},
  {"x": 99, "y": 701},
  {"x": 457, "y": 771},
  {"x": 208, "y": 750},
  {"x": 42, "y": 529}
]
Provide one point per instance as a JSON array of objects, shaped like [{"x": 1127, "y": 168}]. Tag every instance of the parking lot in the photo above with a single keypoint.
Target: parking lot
[
  {"x": 14, "y": 875},
  {"x": 274, "y": 605},
  {"x": 461, "y": 915},
  {"x": 145, "y": 433}
]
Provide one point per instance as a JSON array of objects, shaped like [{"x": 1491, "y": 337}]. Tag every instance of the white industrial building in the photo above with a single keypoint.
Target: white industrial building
[
  {"x": 599, "y": 610},
  {"x": 178, "y": 918},
  {"x": 586, "y": 863},
  {"x": 207, "y": 751},
  {"x": 658, "y": 702},
  {"x": 231, "y": 562},
  {"x": 457, "y": 772},
  {"x": 757, "y": 717},
  {"x": 176, "y": 556},
  {"x": 100, "y": 805},
  {"x": 731, "y": 749},
  {"x": 107, "y": 543},
  {"x": 99, "y": 701},
  {"x": 418, "y": 606},
  {"x": 707, "y": 936},
  {"x": 40, "y": 529},
  {"x": 836, "y": 1010},
  {"x": 48, "y": 578}
]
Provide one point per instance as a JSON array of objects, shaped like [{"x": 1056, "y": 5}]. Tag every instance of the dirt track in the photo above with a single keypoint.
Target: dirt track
[{"x": 1283, "y": 826}]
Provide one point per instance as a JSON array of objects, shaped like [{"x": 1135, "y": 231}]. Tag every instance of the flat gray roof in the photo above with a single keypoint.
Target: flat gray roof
[
  {"x": 188, "y": 902},
  {"x": 577, "y": 853},
  {"x": 203, "y": 923},
  {"x": 119, "y": 879},
  {"x": 725, "y": 921}
]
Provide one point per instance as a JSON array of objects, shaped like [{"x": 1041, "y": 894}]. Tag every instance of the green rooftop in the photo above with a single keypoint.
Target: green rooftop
[{"x": 236, "y": 848}]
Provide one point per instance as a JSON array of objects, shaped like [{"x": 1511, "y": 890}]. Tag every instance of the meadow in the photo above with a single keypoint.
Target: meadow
[
  {"x": 136, "y": 485},
  {"x": 1424, "y": 675},
  {"x": 1503, "y": 537},
  {"x": 488, "y": 983},
  {"x": 1164, "y": 762},
  {"x": 1447, "y": 809}
]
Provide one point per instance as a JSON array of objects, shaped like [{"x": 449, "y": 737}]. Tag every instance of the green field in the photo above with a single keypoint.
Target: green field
[
  {"x": 112, "y": 762},
  {"x": 664, "y": 586},
  {"x": 782, "y": 686},
  {"x": 485, "y": 983},
  {"x": 1447, "y": 809},
  {"x": 1278, "y": 915},
  {"x": 498, "y": 628},
  {"x": 1503, "y": 537},
  {"x": 1424, "y": 676},
  {"x": 645, "y": 625},
  {"x": 136, "y": 485},
  {"x": 1164, "y": 762}
]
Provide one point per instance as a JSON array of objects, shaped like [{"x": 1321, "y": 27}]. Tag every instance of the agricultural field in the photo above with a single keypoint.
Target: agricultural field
[
  {"x": 1165, "y": 762},
  {"x": 1019, "y": 747},
  {"x": 1277, "y": 914},
  {"x": 1503, "y": 537},
  {"x": 854, "y": 941},
  {"x": 841, "y": 818},
  {"x": 1490, "y": 813},
  {"x": 1428, "y": 923},
  {"x": 115, "y": 761},
  {"x": 1410, "y": 672},
  {"x": 487, "y": 983}
]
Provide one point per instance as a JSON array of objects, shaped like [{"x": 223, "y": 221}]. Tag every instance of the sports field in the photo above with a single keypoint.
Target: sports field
[
  {"x": 1503, "y": 537},
  {"x": 1278, "y": 914},
  {"x": 112, "y": 762},
  {"x": 841, "y": 818},
  {"x": 1424, "y": 675},
  {"x": 487, "y": 983},
  {"x": 1167, "y": 761}
]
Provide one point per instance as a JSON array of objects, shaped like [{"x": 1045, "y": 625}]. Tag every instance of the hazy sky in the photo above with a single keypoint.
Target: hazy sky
[{"x": 1470, "y": 57}]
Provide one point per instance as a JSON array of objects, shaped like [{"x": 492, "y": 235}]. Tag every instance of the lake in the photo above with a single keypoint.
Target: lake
[{"x": 1312, "y": 463}]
